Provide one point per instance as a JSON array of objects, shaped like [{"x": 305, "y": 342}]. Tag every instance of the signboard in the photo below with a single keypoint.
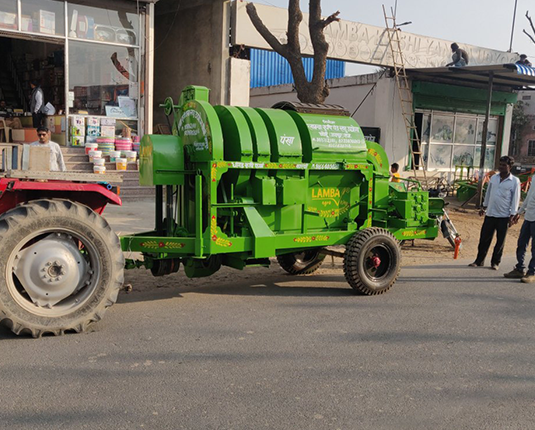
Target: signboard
[{"x": 357, "y": 42}]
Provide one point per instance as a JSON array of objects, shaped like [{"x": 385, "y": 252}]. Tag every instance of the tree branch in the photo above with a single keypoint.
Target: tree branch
[
  {"x": 295, "y": 16},
  {"x": 264, "y": 31},
  {"x": 330, "y": 19},
  {"x": 529, "y": 35},
  {"x": 530, "y": 23}
]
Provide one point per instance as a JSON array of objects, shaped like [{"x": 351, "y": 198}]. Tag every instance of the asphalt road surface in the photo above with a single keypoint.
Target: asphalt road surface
[{"x": 448, "y": 347}]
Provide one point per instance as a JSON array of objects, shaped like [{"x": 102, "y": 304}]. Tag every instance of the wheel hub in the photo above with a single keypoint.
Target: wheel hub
[{"x": 51, "y": 269}]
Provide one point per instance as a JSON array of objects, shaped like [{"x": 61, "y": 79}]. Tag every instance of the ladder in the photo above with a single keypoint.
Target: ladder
[{"x": 405, "y": 96}]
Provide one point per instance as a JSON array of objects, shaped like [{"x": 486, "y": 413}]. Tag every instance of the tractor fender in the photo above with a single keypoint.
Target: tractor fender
[{"x": 96, "y": 196}]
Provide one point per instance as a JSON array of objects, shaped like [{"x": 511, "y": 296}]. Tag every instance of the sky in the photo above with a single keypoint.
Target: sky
[{"x": 485, "y": 23}]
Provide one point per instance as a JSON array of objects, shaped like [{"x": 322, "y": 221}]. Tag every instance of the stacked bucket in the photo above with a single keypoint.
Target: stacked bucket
[{"x": 106, "y": 145}]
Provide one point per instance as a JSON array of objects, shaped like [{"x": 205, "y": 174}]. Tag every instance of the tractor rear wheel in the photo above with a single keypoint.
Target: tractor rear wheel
[
  {"x": 301, "y": 263},
  {"x": 372, "y": 261},
  {"x": 61, "y": 267}
]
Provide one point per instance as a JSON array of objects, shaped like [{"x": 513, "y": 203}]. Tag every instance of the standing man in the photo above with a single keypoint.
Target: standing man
[
  {"x": 37, "y": 104},
  {"x": 499, "y": 207},
  {"x": 527, "y": 233},
  {"x": 459, "y": 57},
  {"x": 524, "y": 60},
  {"x": 56, "y": 157}
]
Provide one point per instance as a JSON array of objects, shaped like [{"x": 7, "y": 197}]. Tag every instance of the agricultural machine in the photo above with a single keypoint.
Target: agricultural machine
[{"x": 235, "y": 186}]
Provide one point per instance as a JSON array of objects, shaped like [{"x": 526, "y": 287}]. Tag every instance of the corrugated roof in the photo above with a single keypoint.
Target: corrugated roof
[{"x": 505, "y": 76}]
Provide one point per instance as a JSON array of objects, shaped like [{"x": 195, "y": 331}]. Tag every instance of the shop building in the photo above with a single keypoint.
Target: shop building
[{"x": 92, "y": 59}]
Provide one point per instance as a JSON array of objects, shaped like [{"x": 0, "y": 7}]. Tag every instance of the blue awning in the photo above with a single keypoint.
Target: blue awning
[{"x": 525, "y": 70}]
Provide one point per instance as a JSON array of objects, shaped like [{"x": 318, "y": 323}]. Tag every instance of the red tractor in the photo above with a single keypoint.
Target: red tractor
[{"x": 61, "y": 264}]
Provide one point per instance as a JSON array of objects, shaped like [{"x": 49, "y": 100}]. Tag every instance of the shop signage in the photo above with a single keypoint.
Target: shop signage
[{"x": 359, "y": 43}]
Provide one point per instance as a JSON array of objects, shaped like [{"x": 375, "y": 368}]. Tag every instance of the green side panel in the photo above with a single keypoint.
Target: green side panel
[
  {"x": 453, "y": 98},
  {"x": 377, "y": 156},
  {"x": 283, "y": 135},
  {"x": 263, "y": 237},
  {"x": 291, "y": 190},
  {"x": 264, "y": 189},
  {"x": 200, "y": 130},
  {"x": 161, "y": 160},
  {"x": 194, "y": 92},
  {"x": 260, "y": 135},
  {"x": 330, "y": 138},
  {"x": 238, "y": 141}
]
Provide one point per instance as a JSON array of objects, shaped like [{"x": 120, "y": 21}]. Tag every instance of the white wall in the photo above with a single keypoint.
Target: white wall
[{"x": 381, "y": 109}]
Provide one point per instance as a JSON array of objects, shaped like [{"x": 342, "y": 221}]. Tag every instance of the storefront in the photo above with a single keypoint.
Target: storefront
[
  {"x": 92, "y": 59},
  {"x": 451, "y": 119}
]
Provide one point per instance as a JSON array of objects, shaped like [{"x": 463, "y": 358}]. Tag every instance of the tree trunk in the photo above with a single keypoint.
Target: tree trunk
[{"x": 317, "y": 90}]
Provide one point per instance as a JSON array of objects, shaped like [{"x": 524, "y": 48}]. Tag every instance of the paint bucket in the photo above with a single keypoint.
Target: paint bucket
[
  {"x": 99, "y": 169},
  {"x": 99, "y": 162},
  {"x": 120, "y": 163},
  {"x": 131, "y": 156},
  {"x": 94, "y": 154},
  {"x": 114, "y": 155},
  {"x": 90, "y": 147}
]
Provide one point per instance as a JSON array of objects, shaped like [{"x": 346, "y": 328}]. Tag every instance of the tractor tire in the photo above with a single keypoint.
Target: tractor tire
[
  {"x": 301, "y": 263},
  {"x": 61, "y": 267},
  {"x": 372, "y": 261}
]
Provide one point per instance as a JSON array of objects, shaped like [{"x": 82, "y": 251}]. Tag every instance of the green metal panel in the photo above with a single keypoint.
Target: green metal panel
[
  {"x": 333, "y": 138},
  {"x": 452, "y": 98},
  {"x": 259, "y": 132},
  {"x": 283, "y": 134},
  {"x": 161, "y": 160}
]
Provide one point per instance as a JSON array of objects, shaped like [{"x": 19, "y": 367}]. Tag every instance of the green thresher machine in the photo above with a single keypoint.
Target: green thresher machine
[
  {"x": 235, "y": 186},
  {"x": 243, "y": 185}
]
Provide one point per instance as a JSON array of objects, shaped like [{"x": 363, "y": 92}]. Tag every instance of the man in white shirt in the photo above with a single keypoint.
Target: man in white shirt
[
  {"x": 56, "y": 157},
  {"x": 499, "y": 207},
  {"x": 527, "y": 233}
]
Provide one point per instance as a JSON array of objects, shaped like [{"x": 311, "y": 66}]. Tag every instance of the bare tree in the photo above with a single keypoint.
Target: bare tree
[
  {"x": 532, "y": 37},
  {"x": 317, "y": 90}
]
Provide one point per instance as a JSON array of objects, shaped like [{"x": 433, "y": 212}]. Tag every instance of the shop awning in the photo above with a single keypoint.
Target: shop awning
[{"x": 506, "y": 77}]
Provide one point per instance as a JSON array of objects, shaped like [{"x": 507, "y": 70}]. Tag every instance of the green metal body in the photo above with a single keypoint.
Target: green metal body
[{"x": 244, "y": 184}]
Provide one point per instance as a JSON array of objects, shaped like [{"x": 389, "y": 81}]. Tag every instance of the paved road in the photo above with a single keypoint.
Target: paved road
[{"x": 447, "y": 348}]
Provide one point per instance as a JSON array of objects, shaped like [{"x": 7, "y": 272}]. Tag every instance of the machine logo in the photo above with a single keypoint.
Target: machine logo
[{"x": 287, "y": 140}]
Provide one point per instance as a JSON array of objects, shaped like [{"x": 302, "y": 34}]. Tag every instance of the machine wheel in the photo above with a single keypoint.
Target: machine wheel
[
  {"x": 372, "y": 261},
  {"x": 301, "y": 263},
  {"x": 61, "y": 267}
]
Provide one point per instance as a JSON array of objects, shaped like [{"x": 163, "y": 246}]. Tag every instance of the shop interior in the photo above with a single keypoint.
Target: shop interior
[{"x": 26, "y": 61}]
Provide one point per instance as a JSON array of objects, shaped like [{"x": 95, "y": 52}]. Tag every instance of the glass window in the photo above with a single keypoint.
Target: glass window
[
  {"x": 531, "y": 148},
  {"x": 425, "y": 155},
  {"x": 492, "y": 132},
  {"x": 465, "y": 130},
  {"x": 103, "y": 80},
  {"x": 442, "y": 129},
  {"x": 463, "y": 155},
  {"x": 426, "y": 127},
  {"x": 439, "y": 157},
  {"x": 8, "y": 14},
  {"x": 105, "y": 25},
  {"x": 43, "y": 16},
  {"x": 489, "y": 157}
]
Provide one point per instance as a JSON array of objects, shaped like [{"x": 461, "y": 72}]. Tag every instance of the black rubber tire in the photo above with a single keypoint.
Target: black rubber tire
[
  {"x": 355, "y": 258},
  {"x": 446, "y": 228},
  {"x": 294, "y": 266},
  {"x": 19, "y": 223}
]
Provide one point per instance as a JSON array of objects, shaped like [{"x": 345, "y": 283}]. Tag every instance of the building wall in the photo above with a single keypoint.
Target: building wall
[
  {"x": 190, "y": 50},
  {"x": 527, "y": 133}
]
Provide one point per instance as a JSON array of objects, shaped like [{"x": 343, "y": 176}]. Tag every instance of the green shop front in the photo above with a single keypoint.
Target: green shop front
[
  {"x": 450, "y": 119},
  {"x": 93, "y": 60}
]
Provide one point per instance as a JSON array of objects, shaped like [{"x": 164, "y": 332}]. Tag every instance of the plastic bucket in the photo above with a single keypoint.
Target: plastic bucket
[
  {"x": 114, "y": 155},
  {"x": 94, "y": 154},
  {"x": 99, "y": 169},
  {"x": 131, "y": 156},
  {"x": 99, "y": 161},
  {"x": 90, "y": 147},
  {"x": 120, "y": 163}
]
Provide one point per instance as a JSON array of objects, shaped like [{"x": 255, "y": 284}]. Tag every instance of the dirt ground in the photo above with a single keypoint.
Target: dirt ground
[{"x": 467, "y": 222}]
